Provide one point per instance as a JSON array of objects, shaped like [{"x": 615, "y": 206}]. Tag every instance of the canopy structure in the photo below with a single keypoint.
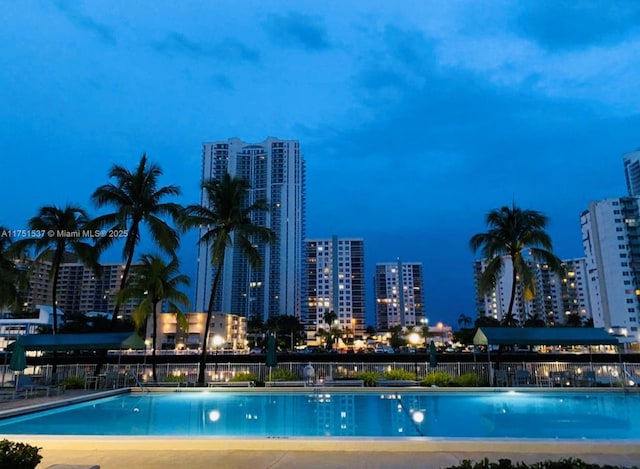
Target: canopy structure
[
  {"x": 100, "y": 341},
  {"x": 543, "y": 336}
]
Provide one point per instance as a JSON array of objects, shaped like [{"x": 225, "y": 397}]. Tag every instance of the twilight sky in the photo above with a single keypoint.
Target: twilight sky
[{"x": 415, "y": 117}]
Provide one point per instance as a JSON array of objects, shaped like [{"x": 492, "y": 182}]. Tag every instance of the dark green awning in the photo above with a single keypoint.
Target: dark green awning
[
  {"x": 101, "y": 341},
  {"x": 543, "y": 336}
]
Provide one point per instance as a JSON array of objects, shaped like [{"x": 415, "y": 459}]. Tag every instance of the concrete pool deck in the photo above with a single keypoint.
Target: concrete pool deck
[{"x": 285, "y": 453}]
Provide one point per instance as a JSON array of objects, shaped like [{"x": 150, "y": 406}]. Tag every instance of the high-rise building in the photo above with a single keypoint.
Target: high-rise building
[
  {"x": 611, "y": 240},
  {"x": 631, "y": 162},
  {"x": 562, "y": 300},
  {"x": 276, "y": 172},
  {"x": 335, "y": 282},
  {"x": 80, "y": 289},
  {"x": 557, "y": 300},
  {"x": 495, "y": 304},
  {"x": 399, "y": 294}
]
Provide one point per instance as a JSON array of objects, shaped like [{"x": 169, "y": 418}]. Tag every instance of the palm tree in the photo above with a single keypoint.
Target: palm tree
[
  {"x": 464, "y": 320},
  {"x": 513, "y": 231},
  {"x": 574, "y": 320},
  {"x": 228, "y": 223},
  {"x": 535, "y": 319},
  {"x": 155, "y": 281},
  {"x": 137, "y": 199},
  {"x": 12, "y": 277},
  {"x": 63, "y": 230},
  {"x": 331, "y": 318}
]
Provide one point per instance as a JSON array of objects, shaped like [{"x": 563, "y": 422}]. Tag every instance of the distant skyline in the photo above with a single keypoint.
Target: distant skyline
[{"x": 415, "y": 118}]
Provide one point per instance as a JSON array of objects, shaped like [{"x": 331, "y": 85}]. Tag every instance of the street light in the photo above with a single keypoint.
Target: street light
[
  {"x": 441, "y": 327},
  {"x": 424, "y": 322},
  {"x": 217, "y": 342}
]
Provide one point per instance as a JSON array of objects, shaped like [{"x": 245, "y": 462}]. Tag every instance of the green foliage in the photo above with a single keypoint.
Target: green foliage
[
  {"x": 175, "y": 378},
  {"x": 282, "y": 375},
  {"x": 569, "y": 463},
  {"x": 19, "y": 455},
  {"x": 469, "y": 380},
  {"x": 400, "y": 375},
  {"x": 369, "y": 377},
  {"x": 244, "y": 377},
  {"x": 437, "y": 378},
  {"x": 73, "y": 382}
]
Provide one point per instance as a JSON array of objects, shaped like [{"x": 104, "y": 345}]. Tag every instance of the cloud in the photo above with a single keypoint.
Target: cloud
[
  {"x": 570, "y": 24},
  {"x": 298, "y": 30},
  {"x": 84, "y": 22},
  {"x": 177, "y": 44}
]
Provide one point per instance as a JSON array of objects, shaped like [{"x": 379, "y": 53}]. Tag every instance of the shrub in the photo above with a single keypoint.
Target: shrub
[
  {"x": 400, "y": 375},
  {"x": 175, "y": 378},
  {"x": 73, "y": 382},
  {"x": 437, "y": 378},
  {"x": 244, "y": 377},
  {"x": 19, "y": 455},
  {"x": 469, "y": 380},
  {"x": 569, "y": 463},
  {"x": 369, "y": 377},
  {"x": 282, "y": 375}
]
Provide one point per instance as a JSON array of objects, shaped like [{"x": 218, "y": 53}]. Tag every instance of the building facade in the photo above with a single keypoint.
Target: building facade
[
  {"x": 557, "y": 300},
  {"x": 631, "y": 162},
  {"x": 276, "y": 172},
  {"x": 611, "y": 240},
  {"x": 227, "y": 332},
  {"x": 399, "y": 294},
  {"x": 335, "y": 282},
  {"x": 495, "y": 304},
  {"x": 80, "y": 288}
]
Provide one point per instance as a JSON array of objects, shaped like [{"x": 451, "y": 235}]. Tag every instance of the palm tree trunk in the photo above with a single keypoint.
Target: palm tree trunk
[
  {"x": 133, "y": 232},
  {"x": 153, "y": 342},
  {"x": 514, "y": 279},
  {"x": 57, "y": 260},
  {"x": 205, "y": 341}
]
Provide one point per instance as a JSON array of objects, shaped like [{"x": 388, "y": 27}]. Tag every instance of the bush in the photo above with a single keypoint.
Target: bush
[
  {"x": 507, "y": 464},
  {"x": 244, "y": 377},
  {"x": 369, "y": 377},
  {"x": 19, "y": 455},
  {"x": 400, "y": 375},
  {"x": 282, "y": 375},
  {"x": 175, "y": 378},
  {"x": 437, "y": 378},
  {"x": 73, "y": 382},
  {"x": 469, "y": 380}
]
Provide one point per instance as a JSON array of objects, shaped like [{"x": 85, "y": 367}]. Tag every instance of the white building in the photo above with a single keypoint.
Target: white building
[
  {"x": 11, "y": 327},
  {"x": 227, "y": 332},
  {"x": 496, "y": 303},
  {"x": 399, "y": 294},
  {"x": 335, "y": 282},
  {"x": 631, "y": 162},
  {"x": 556, "y": 298},
  {"x": 275, "y": 171},
  {"x": 610, "y": 236}
]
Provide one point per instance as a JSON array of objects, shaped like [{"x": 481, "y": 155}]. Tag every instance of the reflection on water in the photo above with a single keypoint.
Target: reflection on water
[{"x": 339, "y": 414}]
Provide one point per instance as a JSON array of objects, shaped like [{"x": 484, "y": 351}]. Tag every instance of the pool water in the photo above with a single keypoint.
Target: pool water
[{"x": 529, "y": 415}]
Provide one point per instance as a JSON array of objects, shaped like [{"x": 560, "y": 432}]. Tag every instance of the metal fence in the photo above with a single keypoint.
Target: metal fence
[{"x": 490, "y": 374}]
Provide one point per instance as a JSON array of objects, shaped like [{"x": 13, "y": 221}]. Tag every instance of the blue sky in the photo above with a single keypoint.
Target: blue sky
[{"x": 415, "y": 117}]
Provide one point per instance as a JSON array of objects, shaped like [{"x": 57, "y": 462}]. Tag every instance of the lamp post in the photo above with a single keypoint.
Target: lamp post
[
  {"x": 424, "y": 323},
  {"x": 217, "y": 342},
  {"x": 441, "y": 327}
]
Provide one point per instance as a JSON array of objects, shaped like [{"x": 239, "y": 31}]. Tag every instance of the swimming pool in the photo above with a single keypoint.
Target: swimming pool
[{"x": 483, "y": 415}]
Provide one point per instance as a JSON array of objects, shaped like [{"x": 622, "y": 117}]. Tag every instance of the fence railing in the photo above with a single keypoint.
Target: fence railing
[{"x": 491, "y": 374}]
